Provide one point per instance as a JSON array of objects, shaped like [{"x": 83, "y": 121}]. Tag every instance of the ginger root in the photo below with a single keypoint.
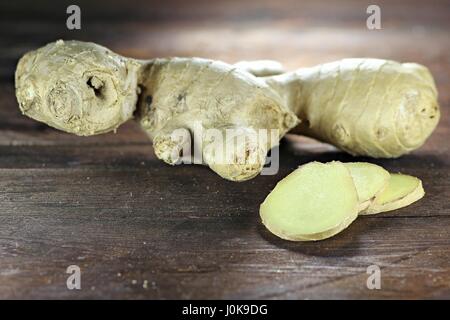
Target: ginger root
[
  {"x": 368, "y": 107},
  {"x": 77, "y": 87}
]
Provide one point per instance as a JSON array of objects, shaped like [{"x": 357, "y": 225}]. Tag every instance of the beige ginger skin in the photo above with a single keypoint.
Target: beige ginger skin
[{"x": 369, "y": 107}]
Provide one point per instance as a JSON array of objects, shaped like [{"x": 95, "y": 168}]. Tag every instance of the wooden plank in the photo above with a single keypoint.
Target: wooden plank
[{"x": 193, "y": 246}]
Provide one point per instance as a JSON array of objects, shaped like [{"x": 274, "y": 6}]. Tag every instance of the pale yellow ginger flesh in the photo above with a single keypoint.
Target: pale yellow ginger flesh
[
  {"x": 369, "y": 180},
  {"x": 314, "y": 202},
  {"x": 369, "y": 107},
  {"x": 401, "y": 191},
  {"x": 318, "y": 200}
]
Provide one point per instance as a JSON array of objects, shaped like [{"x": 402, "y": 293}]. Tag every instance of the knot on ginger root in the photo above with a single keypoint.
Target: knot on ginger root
[
  {"x": 63, "y": 103},
  {"x": 417, "y": 117},
  {"x": 340, "y": 135}
]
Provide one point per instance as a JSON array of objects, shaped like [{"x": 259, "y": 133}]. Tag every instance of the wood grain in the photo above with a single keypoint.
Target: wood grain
[{"x": 140, "y": 229}]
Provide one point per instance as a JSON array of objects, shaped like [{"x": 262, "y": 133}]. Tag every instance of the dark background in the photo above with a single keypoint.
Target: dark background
[{"x": 141, "y": 229}]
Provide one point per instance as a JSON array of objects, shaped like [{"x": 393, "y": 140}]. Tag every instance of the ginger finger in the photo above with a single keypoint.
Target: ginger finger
[
  {"x": 370, "y": 107},
  {"x": 82, "y": 89}
]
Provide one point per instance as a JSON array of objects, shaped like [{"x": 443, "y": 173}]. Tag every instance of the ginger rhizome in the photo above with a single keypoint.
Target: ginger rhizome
[
  {"x": 367, "y": 107},
  {"x": 319, "y": 200}
]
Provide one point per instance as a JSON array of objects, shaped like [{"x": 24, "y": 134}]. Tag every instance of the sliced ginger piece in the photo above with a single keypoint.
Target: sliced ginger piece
[
  {"x": 314, "y": 202},
  {"x": 369, "y": 180},
  {"x": 401, "y": 191}
]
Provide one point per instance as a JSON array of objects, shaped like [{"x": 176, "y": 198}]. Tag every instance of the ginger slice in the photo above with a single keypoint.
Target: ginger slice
[
  {"x": 314, "y": 202},
  {"x": 401, "y": 191},
  {"x": 369, "y": 180}
]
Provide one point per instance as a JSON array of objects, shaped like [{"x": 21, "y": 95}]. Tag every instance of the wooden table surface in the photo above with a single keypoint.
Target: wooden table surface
[{"x": 138, "y": 228}]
